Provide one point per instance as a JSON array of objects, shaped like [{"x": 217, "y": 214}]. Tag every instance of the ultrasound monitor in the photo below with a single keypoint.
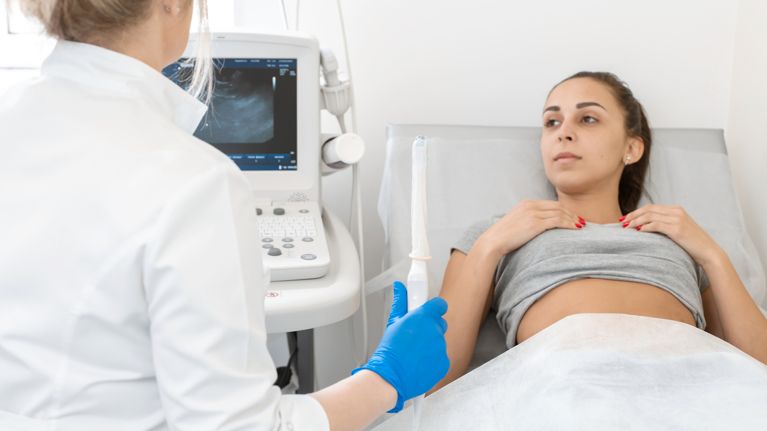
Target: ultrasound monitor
[
  {"x": 252, "y": 115},
  {"x": 264, "y": 111}
]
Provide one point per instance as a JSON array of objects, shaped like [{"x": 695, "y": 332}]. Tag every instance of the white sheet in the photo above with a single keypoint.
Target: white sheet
[{"x": 605, "y": 372}]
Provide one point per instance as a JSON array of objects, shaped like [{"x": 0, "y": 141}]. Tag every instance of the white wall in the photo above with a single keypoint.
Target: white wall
[{"x": 746, "y": 137}]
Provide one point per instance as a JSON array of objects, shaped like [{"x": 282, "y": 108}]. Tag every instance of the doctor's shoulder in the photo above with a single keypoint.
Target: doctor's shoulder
[
  {"x": 176, "y": 153},
  {"x": 20, "y": 95}
]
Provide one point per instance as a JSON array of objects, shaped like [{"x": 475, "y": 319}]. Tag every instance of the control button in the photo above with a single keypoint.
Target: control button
[
  {"x": 266, "y": 240},
  {"x": 304, "y": 211},
  {"x": 308, "y": 256},
  {"x": 279, "y": 211},
  {"x": 259, "y": 211},
  {"x": 288, "y": 245},
  {"x": 308, "y": 239},
  {"x": 267, "y": 246},
  {"x": 275, "y": 252},
  {"x": 287, "y": 239}
]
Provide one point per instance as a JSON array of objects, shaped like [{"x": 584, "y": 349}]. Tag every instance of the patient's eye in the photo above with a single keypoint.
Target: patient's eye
[
  {"x": 551, "y": 122},
  {"x": 588, "y": 119}
]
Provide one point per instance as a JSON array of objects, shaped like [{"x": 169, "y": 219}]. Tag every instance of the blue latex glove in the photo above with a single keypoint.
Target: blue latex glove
[{"x": 412, "y": 356}]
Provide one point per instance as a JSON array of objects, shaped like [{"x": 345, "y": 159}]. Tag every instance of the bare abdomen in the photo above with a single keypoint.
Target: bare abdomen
[{"x": 591, "y": 295}]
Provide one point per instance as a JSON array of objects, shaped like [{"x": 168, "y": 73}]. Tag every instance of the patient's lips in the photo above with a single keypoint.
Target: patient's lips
[{"x": 566, "y": 157}]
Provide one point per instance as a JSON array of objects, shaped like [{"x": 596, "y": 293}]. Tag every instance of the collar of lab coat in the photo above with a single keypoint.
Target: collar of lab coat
[{"x": 113, "y": 73}]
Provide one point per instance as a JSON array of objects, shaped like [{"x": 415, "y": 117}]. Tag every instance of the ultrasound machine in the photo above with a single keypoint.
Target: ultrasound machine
[{"x": 265, "y": 115}]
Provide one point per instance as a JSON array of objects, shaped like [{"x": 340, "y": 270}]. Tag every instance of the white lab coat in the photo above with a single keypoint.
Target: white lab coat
[{"x": 131, "y": 284}]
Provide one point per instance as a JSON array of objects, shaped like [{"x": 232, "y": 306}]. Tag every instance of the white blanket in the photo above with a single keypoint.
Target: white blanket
[{"x": 605, "y": 372}]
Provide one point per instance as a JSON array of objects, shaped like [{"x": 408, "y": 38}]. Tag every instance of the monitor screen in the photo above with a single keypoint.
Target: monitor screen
[{"x": 252, "y": 115}]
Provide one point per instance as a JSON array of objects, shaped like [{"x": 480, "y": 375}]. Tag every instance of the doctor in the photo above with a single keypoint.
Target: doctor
[{"x": 131, "y": 290}]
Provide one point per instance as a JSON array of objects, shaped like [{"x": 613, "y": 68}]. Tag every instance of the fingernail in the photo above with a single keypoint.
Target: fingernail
[
  {"x": 582, "y": 220},
  {"x": 639, "y": 227},
  {"x": 625, "y": 224},
  {"x": 622, "y": 218},
  {"x": 578, "y": 225}
]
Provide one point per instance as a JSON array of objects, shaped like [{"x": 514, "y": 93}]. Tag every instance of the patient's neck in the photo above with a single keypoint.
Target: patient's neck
[{"x": 595, "y": 207}]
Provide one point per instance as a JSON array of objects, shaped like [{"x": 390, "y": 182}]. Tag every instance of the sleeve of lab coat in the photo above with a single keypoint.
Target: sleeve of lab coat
[{"x": 205, "y": 287}]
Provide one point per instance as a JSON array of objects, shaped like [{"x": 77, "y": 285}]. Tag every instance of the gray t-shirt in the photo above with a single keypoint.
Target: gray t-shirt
[{"x": 607, "y": 251}]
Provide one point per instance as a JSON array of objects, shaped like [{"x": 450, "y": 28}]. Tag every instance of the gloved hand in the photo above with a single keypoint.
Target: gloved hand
[{"x": 412, "y": 355}]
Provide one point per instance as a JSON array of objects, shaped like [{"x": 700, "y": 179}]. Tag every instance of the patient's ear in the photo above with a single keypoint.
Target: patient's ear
[{"x": 635, "y": 148}]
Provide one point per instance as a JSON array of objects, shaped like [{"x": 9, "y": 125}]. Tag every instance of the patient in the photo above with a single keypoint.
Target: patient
[{"x": 592, "y": 250}]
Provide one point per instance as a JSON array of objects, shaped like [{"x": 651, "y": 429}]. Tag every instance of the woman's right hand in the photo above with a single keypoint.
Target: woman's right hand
[
  {"x": 524, "y": 222},
  {"x": 412, "y": 356}
]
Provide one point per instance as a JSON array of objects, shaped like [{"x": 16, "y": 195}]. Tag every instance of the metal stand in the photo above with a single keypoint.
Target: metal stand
[
  {"x": 304, "y": 341},
  {"x": 295, "y": 307}
]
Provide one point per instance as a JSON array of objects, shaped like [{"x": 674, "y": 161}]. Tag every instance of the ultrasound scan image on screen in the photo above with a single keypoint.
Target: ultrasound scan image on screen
[
  {"x": 242, "y": 111},
  {"x": 252, "y": 114}
]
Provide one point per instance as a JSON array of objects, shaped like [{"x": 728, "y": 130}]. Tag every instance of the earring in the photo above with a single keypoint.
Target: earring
[{"x": 628, "y": 160}]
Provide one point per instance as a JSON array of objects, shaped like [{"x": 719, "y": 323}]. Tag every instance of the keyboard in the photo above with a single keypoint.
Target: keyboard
[{"x": 293, "y": 241}]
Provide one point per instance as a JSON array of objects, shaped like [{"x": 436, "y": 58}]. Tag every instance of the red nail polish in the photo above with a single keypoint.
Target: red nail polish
[
  {"x": 582, "y": 220},
  {"x": 578, "y": 225},
  {"x": 625, "y": 224},
  {"x": 622, "y": 218},
  {"x": 639, "y": 227}
]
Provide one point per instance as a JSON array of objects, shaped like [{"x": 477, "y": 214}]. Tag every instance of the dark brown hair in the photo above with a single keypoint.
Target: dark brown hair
[{"x": 631, "y": 183}]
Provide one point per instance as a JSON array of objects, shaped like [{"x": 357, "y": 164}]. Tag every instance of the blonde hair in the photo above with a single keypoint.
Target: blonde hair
[{"x": 102, "y": 20}]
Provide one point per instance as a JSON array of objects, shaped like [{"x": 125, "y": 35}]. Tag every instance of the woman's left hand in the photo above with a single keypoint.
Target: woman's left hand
[{"x": 675, "y": 223}]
